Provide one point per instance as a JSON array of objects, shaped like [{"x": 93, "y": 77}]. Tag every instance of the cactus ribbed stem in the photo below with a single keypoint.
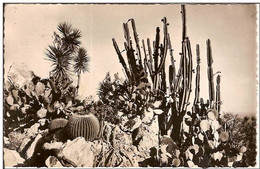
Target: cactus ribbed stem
[
  {"x": 57, "y": 124},
  {"x": 86, "y": 126},
  {"x": 197, "y": 88},
  {"x": 210, "y": 75}
]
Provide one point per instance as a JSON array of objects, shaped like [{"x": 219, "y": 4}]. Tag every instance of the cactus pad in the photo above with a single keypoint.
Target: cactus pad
[{"x": 86, "y": 126}]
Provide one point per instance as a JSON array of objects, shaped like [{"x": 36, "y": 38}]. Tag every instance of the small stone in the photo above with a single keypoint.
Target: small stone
[
  {"x": 15, "y": 107},
  {"x": 52, "y": 162},
  {"x": 10, "y": 100},
  {"x": 54, "y": 145},
  {"x": 42, "y": 122},
  {"x": 42, "y": 113}
]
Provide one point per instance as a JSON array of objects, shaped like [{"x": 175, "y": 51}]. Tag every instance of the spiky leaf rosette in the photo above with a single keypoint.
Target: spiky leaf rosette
[
  {"x": 81, "y": 61},
  {"x": 60, "y": 59},
  {"x": 69, "y": 36},
  {"x": 86, "y": 126}
]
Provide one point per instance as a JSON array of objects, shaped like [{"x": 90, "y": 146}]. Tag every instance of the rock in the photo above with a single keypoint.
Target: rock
[
  {"x": 31, "y": 149},
  {"x": 96, "y": 147},
  {"x": 15, "y": 107},
  {"x": 122, "y": 140},
  {"x": 33, "y": 130},
  {"x": 78, "y": 152},
  {"x": 42, "y": 122},
  {"x": 25, "y": 108},
  {"x": 54, "y": 145},
  {"x": 42, "y": 113},
  {"x": 15, "y": 139},
  {"x": 12, "y": 158},
  {"x": 10, "y": 100},
  {"x": 149, "y": 134},
  {"x": 19, "y": 73},
  {"x": 148, "y": 116},
  {"x": 24, "y": 144},
  {"x": 39, "y": 88},
  {"x": 52, "y": 162},
  {"x": 6, "y": 140}
]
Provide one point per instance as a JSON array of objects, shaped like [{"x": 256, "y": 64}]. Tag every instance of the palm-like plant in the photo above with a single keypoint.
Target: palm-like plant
[
  {"x": 60, "y": 59},
  {"x": 69, "y": 36},
  {"x": 81, "y": 63}
]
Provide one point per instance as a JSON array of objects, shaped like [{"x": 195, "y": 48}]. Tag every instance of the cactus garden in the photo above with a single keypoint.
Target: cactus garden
[{"x": 163, "y": 107}]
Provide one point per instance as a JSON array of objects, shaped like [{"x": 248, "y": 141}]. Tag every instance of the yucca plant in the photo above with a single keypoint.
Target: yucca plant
[
  {"x": 69, "y": 37},
  {"x": 60, "y": 59},
  {"x": 81, "y": 64}
]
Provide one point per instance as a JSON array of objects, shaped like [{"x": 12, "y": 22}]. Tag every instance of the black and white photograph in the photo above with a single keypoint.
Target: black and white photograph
[{"x": 130, "y": 85}]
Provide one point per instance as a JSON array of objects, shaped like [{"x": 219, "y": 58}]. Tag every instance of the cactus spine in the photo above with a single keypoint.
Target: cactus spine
[{"x": 86, "y": 126}]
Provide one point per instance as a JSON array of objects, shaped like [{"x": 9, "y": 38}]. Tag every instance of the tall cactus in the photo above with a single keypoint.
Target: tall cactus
[
  {"x": 210, "y": 75},
  {"x": 197, "y": 87},
  {"x": 180, "y": 81},
  {"x": 218, "y": 101}
]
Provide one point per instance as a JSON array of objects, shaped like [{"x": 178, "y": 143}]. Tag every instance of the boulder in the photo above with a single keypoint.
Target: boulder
[
  {"x": 33, "y": 130},
  {"x": 78, "y": 152},
  {"x": 24, "y": 144},
  {"x": 19, "y": 74},
  {"x": 12, "y": 158},
  {"x": 149, "y": 136},
  {"x": 52, "y": 162}
]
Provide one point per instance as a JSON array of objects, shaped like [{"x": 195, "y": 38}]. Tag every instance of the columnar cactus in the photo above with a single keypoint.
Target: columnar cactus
[
  {"x": 210, "y": 75},
  {"x": 86, "y": 126},
  {"x": 180, "y": 81},
  {"x": 197, "y": 87},
  {"x": 218, "y": 101}
]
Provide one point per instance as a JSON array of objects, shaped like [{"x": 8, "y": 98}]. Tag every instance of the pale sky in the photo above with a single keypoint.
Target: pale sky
[{"x": 231, "y": 28}]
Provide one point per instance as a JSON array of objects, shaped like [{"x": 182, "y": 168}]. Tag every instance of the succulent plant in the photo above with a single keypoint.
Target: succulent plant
[
  {"x": 57, "y": 123},
  {"x": 86, "y": 126}
]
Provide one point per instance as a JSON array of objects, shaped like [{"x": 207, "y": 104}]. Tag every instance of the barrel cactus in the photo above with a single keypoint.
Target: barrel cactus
[
  {"x": 57, "y": 124},
  {"x": 86, "y": 126}
]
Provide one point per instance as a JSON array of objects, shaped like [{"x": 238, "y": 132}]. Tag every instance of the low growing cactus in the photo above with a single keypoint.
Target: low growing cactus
[
  {"x": 57, "y": 123},
  {"x": 86, "y": 126}
]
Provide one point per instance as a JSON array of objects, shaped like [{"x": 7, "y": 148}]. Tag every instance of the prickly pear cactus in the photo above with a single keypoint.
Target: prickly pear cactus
[
  {"x": 86, "y": 126},
  {"x": 57, "y": 123}
]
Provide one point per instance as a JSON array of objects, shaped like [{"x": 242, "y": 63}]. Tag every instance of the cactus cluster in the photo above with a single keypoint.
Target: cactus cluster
[{"x": 150, "y": 66}]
